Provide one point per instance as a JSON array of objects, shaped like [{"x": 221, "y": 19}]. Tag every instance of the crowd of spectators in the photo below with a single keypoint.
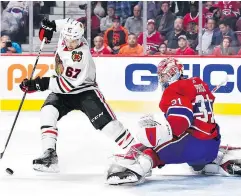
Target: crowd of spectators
[
  {"x": 15, "y": 22},
  {"x": 172, "y": 27},
  {"x": 117, "y": 26}
]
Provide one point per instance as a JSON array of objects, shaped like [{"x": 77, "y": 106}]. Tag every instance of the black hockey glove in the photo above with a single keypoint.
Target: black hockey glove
[
  {"x": 38, "y": 84},
  {"x": 46, "y": 30}
]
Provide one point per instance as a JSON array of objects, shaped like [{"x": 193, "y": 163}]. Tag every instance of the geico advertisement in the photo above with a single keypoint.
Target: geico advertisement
[{"x": 128, "y": 78}]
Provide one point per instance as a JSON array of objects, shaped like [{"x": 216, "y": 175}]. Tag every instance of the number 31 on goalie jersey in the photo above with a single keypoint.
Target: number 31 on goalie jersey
[{"x": 202, "y": 109}]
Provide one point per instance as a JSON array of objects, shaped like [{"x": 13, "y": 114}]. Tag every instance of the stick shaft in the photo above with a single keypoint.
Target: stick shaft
[{"x": 22, "y": 101}]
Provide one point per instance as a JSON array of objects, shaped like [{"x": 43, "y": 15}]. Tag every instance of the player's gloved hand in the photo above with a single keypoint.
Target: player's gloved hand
[
  {"x": 38, "y": 84},
  {"x": 147, "y": 121},
  {"x": 46, "y": 30}
]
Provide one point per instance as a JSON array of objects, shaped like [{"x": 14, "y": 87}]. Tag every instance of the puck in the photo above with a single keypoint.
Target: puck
[{"x": 9, "y": 171}]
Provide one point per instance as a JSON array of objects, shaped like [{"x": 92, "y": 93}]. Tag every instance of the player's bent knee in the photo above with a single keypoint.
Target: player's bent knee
[
  {"x": 49, "y": 116},
  {"x": 100, "y": 121}
]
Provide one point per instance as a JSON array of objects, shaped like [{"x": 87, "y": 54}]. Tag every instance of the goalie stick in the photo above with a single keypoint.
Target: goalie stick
[
  {"x": 22, "y": 101},
  {"x": 218, "y": 86}
]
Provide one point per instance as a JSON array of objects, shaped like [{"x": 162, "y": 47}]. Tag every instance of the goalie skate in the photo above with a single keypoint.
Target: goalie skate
[
  {"x": 48, "y": 162},
  {"x": 124, "y": 178}
]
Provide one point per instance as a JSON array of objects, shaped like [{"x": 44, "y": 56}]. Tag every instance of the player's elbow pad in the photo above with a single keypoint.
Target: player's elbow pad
[{"x": 155, "y": 135}]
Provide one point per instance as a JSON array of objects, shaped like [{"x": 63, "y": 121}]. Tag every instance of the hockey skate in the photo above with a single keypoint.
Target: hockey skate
[{"x": 48, "y": 162}]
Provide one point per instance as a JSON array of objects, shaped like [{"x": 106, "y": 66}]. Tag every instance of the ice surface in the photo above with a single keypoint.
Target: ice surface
[{"x": 83, "y": 155}]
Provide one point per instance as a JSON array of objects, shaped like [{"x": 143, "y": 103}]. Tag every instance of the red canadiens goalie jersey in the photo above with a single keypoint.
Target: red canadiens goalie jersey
[{"x": 188, "y": 106}]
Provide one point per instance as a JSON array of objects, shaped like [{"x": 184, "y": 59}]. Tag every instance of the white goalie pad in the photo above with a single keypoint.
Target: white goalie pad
[
  {"x": 225, "y": 154},
  {"x": 152, "y": 133},
  {"x": 140, "y": 165}
]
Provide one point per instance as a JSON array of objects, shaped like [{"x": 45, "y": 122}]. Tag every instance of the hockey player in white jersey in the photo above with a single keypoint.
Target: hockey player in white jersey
[{"x": 73, "y": 88}]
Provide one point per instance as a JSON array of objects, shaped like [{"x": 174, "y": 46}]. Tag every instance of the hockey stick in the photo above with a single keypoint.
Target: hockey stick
[
  {"x": 218, "y": 86},
  {"x": 22, "y": 101}
]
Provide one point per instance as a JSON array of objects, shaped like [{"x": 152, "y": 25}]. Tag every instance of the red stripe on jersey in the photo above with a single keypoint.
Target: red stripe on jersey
[
  {"x": 178, "y": 124},
  {"x": 50, "y": 131},
  {"x": 64, "y": 85}
]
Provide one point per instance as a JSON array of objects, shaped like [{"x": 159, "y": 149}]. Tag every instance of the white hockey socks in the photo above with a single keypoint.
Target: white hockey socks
[
  {"x": 116, "y": 131},
  {"x": 49, "y": 117}
]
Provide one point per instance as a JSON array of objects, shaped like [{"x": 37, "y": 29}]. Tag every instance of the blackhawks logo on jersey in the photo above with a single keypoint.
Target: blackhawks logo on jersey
[
  {"x": 59, "y": 68},
  {"x": 77, "y": 56}
]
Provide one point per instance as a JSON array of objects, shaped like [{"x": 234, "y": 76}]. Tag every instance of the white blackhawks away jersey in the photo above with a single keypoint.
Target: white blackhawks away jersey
[{"x": 76, "y": 72}]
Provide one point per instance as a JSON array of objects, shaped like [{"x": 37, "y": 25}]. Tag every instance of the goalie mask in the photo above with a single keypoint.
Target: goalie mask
[
  {"x": 169, "y": 70},
  {"x": 72, "y": 34}
]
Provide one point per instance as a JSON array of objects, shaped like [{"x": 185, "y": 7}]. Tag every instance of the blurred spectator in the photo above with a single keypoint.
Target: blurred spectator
[
  {"x": 165, "y": 21},
  {"x": 14, "y": 17},
  {"x": 107, "y": 21},
  {"x": 134, "y": 24},
  {"x": 153, "y": 8},
  {"x": 153, "y": 37},
  {"x": 95, "y": 23},
  {"x": 193, "y": 15},
  {"x": 99, "y": 10},
  {"x": 183, "y": 8},
  {"x": 99, "y": 48},
  {"x": 122, "y": 9},
  {"x": 217, "y": 13},
  {"x": 207, "y": 35},
  {"x": 116, "y": 36},
  {"x": 224, "y": 48},
  {"x": 133, "y": 48},
  {"x": 9, "y": 25},
  {"x": 7, "y": 46},
  {"x": 37, "y": 13},
  {"x": 192, "y": 34},
  {"x": 184, "y": 49},
  {"x": 239, "y": 52},
  {"x": 238, "y": 24},
  {"x": 96, "y": 8},
  {"x": 172, "y": 37},
  {"x": 206, "y": 9},
  {"x": 224, "y": 30},
  {"x": 230, "y": 10},
  {"x": 162, "y": 50}
]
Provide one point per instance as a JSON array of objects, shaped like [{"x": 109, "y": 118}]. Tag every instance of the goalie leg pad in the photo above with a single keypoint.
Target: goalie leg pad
[
  {"x": 227, "y": 163},
  {"x": 129, "y": 170}
]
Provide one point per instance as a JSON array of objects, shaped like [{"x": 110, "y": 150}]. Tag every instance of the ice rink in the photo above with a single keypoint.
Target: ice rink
[{"x": 83, "y": 155}]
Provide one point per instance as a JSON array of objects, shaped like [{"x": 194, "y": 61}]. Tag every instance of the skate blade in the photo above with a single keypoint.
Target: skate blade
[
  {"x": 54, "y": 168},
  {"x": 129, "y": 181}
]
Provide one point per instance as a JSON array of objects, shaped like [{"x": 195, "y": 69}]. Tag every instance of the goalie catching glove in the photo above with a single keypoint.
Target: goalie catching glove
[{"x": 38, "y": 84}]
